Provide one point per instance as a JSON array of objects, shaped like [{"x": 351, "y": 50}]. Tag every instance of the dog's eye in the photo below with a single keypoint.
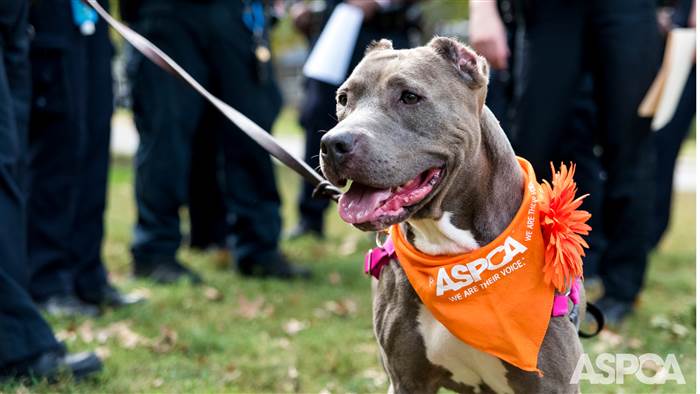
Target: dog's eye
[
  {"x": 409, "y": 97},
  {"x": 342, "y": 99}
]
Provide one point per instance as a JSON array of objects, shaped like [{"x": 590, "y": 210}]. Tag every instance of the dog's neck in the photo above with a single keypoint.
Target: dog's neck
[{"x": 475, "y": 214}]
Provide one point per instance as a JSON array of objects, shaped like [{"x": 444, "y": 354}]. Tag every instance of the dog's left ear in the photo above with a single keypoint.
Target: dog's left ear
[
  {"x": 379, "y": 45},
  {"x": 471, "y": 66}
]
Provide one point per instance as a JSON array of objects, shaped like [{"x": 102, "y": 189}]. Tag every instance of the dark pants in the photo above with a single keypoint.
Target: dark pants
[
  {"x": 69, "y": 154},
  {"x": 210, "y": 41},
  {"x": 206, "y": 205},
  {"x": 667, "y": 143},
  {"x": 317, "y": 116},
  {"x": 618, "y": 42},
  {"x": 23, "y": 332}
]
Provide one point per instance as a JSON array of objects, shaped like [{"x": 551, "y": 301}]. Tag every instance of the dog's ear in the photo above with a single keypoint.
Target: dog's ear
[
  {"x": 379, "y": 45},
  {"x": 471, "y": 66}
]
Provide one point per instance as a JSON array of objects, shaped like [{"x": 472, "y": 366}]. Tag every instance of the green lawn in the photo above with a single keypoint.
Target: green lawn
[{"x": 236, "y": 335}]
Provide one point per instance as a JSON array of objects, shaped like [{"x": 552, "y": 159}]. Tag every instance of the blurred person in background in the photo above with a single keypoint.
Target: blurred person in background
[
  {"x": 28, "y": 347},
  {"x": 668, "y": 140},
  {"x": 69, "y": 132},
  {"x": 505, "y": 44},
  {"x": 389, "y": 19},
  {"x": 617, "y": 43},
  {"x": 225, "y": 46}
]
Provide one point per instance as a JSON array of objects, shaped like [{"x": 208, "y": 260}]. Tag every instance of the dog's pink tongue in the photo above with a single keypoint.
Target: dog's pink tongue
[{"x": 359, "y": 204}]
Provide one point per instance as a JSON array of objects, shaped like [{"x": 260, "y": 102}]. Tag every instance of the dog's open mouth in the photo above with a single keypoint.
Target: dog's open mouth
[{"x": 371, "y": 208}]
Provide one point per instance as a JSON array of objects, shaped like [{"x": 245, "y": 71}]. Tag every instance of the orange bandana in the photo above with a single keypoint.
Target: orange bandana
[{"x": 494, "y": 298}]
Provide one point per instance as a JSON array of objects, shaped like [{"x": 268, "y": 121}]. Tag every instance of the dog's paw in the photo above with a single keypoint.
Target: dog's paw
[{"x": 471, "y": 66}]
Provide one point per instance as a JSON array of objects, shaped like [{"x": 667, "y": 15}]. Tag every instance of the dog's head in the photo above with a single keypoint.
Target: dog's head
[{"x": 407, "y": 120}]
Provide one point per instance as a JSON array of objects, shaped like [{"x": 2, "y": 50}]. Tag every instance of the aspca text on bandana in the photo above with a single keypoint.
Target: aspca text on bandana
[{"x": 462, "y": 275}]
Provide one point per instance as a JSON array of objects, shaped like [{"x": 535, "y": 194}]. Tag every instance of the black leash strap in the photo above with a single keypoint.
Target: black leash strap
[
  {"x": 599, "y": 319},
  {"x": 260, "y": 136}
]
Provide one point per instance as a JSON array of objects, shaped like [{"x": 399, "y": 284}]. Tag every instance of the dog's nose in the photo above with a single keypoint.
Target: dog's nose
[{"x": 338, "y": 145}]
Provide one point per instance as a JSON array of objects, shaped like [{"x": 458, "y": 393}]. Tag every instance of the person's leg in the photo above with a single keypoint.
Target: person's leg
[
  {"x": 56, "y": 142},
  {"x": 14, "y": 86},
  {"x": 24, "y": 334},
  {"x": 625, "y": 57},
  {"x": 166, "y": 113},
  {"x": 90, "y": 276},
  {"x": 552, "y": 77},
  {"x": 667, "y": 143},
  {"x": 317, "y": 116},
  {"x": 206, "y": 204},
  {"x": 579, "y": 148},
  {"x": 250, "y": 191}
]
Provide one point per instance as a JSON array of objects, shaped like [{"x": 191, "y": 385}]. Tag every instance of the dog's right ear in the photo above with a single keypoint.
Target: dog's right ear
[
  {"x": 471, "y": 66},
  {"x": 379, "y": 45}
]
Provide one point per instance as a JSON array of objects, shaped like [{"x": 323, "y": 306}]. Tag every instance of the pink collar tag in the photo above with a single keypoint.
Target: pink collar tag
[
  {"x": 377, "y": 258},
  {"x": 561, "y": 301}
]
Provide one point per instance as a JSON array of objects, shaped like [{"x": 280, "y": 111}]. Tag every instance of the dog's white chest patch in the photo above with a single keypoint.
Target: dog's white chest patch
[
  {"x": 441, "y": 236},
  {"x": 467, "y": 365}
]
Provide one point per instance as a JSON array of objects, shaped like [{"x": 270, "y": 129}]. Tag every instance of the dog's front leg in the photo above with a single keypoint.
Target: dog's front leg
[{"x": 395, "y": 310}]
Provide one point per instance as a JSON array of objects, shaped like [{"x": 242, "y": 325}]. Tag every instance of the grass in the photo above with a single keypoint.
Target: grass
[{"x": 237, "y": 335}]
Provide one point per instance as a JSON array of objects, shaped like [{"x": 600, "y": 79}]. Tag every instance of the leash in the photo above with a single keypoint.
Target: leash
[
  {"x": 323, "y": 188},
  {"x": 599, "y": 318}
]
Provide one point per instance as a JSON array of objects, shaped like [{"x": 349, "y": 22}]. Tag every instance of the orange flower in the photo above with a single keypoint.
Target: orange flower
[{"x": 562, "y": 228}]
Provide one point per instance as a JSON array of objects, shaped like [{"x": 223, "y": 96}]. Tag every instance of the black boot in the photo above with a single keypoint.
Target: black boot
[
  {"x": 108, "y": 296},
  {"x": 51, "y": 365},
  {"x": 68, "y": 305},
  {"x": 275, "y": 266},
  {"x": 165, "y": 272}
]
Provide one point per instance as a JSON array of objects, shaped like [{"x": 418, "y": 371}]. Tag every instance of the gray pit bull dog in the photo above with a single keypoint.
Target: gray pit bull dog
[{"x": 422, "y": 149}]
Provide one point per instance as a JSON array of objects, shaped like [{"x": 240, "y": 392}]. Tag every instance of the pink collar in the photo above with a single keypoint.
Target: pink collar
[{"x": 377, "y": 258}]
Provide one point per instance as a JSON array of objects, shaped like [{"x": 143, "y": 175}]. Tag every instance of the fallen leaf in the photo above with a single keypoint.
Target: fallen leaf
[
  {"x": 660, "y": 321},
  {"x": 321, "y": 313},
  {"x": 103, "y": 352},
  {"x": 122, "y": 332},
  {"x": 158, "y": 382},
  {"x": 213, "y": 294},
  {"x": 294, "y": 326},
  {"x": 651, "y": 365},
  {"x": 166, "y": 341},
  {"x": 344, "y": 307},
  {"x": 292, "y": 372},
  {"x": 634, "y": 343},
  {"x": 334, "y": 278},
  {"x": 250, "y": 309},
  {"x": 282, "y": 343},
  {"x": 349, "y": 245},
  {"x": 86, "y": 332},
  {"x": 679, "y": 330},
  {"x": 231, "y": 373},
  {"x": 69, "y": 334},
  {"x": 607, "y": 340}
]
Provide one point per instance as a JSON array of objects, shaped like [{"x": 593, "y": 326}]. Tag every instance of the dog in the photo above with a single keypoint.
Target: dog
[{"x": 422, "y": 150}]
